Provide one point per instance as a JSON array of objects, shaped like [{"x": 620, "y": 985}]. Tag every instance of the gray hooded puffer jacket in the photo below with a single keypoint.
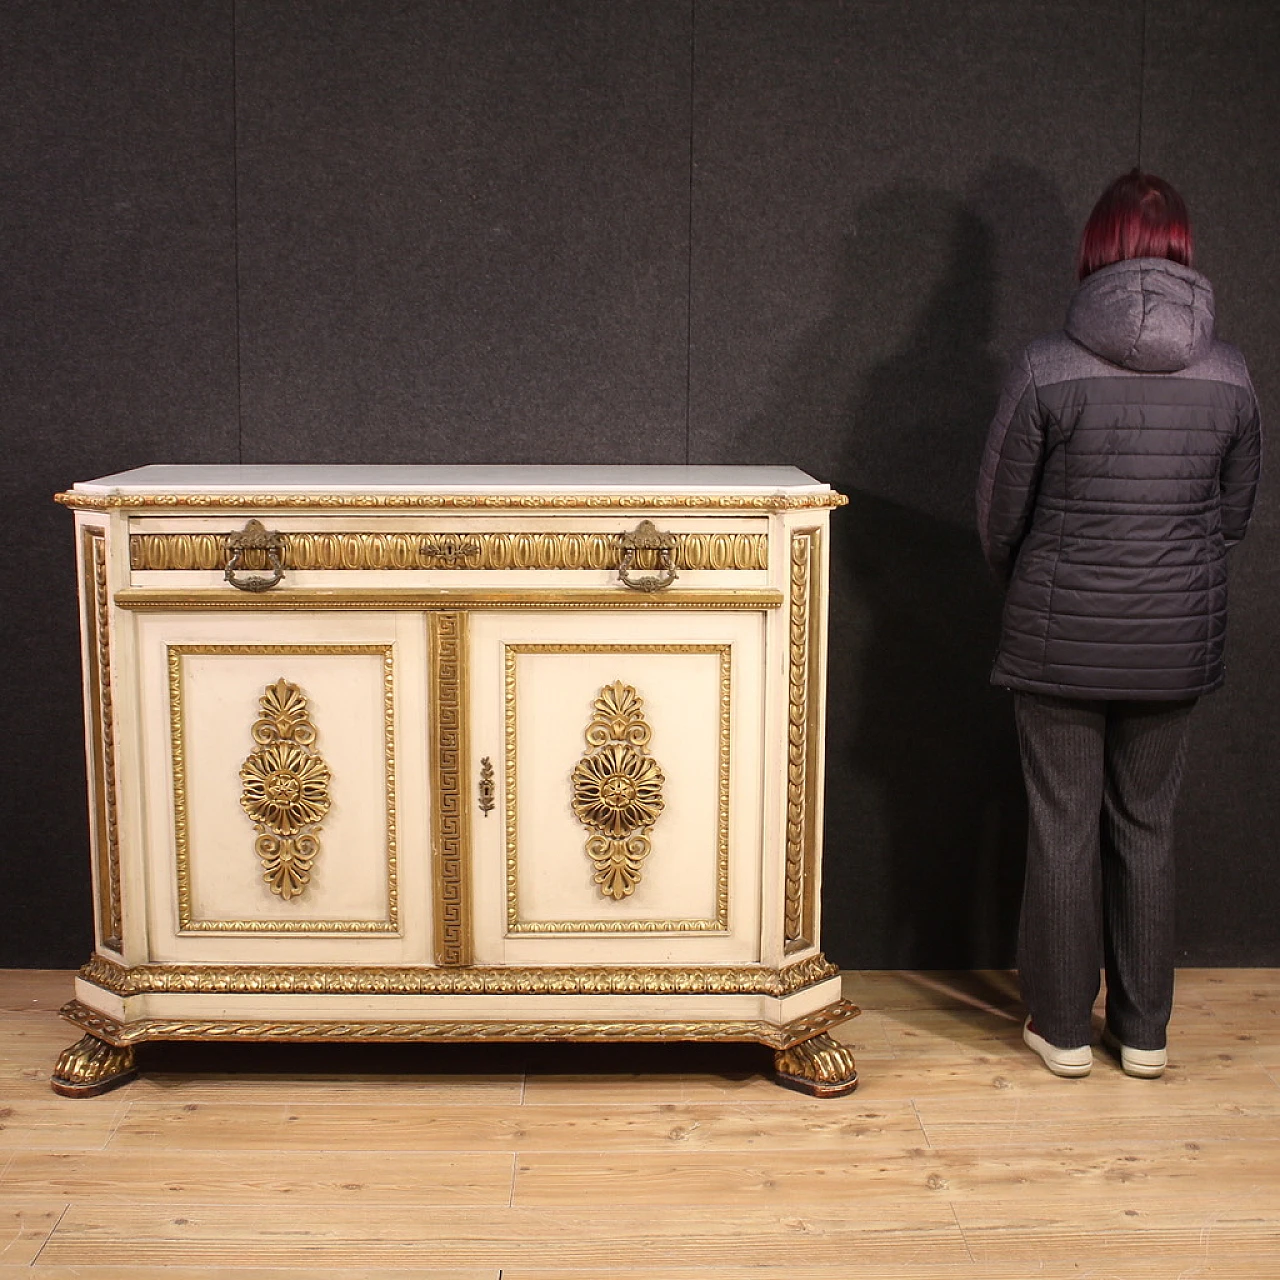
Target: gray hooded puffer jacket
[{"x": 1121, "y": 464}]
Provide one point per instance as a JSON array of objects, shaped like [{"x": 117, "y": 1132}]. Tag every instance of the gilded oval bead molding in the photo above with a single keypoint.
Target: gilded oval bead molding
[{"x": 343, "y": 550}]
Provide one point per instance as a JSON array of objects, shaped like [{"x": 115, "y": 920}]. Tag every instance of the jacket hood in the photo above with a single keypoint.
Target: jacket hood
[{"x": 1146, "y": 314}]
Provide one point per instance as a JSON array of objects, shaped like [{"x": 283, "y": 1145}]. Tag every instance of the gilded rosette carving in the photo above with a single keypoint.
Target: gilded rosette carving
[
  {"x": 285, "y": 789},
  {"x": 617, "y": 790}
]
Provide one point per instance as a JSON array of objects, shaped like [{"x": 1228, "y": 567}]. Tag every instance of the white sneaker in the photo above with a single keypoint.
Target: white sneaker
[
  {"x": 1146, "y": 1064},
  {"x": 1062, "y": 1062}
]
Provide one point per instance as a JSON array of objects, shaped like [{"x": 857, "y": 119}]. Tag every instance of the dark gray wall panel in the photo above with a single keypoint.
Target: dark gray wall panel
[
  {"x": 464, "y": 230},
  {"x": 117, "y": 327},
  {"x": 1210, "y": 127},
  {"x": 886, "y": 202}
]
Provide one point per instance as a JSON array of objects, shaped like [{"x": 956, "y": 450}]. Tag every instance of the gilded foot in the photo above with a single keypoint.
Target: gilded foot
[
  {"x": 92, "y": 1066},
  {"x": 820, "y": 1066}
]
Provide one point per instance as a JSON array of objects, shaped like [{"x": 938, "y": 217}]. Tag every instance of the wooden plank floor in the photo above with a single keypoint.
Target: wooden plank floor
[{"x": 959, "y": 1156}]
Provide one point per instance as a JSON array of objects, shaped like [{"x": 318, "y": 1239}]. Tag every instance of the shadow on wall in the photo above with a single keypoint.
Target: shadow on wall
[{"x": 926, "y": 816}]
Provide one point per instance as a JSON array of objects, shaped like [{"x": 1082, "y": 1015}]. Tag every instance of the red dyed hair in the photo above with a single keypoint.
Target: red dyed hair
[{"x": 1137, "y": 216}]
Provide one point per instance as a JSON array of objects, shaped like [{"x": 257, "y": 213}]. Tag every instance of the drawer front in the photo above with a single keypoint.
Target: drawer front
[{"x": 362, "y": 552}]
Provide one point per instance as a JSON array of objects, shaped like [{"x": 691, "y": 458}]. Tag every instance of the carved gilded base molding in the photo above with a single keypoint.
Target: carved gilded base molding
[
  {"x": 92, "y": 1066},
  {"x": 474, "y": 980},
  {"x": 819, "y": 1066},
  {"x": 775, "y": 1037}
]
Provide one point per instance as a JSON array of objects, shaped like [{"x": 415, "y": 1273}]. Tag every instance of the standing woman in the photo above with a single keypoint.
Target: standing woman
[{"x": 1121, "y": 466}]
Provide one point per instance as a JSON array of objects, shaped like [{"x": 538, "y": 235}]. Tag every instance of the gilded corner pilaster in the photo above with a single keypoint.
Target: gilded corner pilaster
[
  {"x": 102, "y": 738},
  {"x": 804, "y": 691}
]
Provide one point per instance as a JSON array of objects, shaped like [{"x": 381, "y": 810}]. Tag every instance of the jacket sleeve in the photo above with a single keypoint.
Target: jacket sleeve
[
  {"x": 1011, "y": 467},
  {"x": 1238, "y": 476}
]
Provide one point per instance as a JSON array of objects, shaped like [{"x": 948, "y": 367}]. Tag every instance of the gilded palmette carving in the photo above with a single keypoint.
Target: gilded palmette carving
[
  {"x": 617, "y": 789},
  {"x": 285, "y": 789},
  {"x": 478, "y": 980},
  {"x": 178, "y": 727},
  {"x": 482, "y": 550},
  {"x": 802, "y": 691},
  {"x": 451, "y": 808},
  {"x": 102, "y": 741},
  {"x": 775, "y": 1037}
]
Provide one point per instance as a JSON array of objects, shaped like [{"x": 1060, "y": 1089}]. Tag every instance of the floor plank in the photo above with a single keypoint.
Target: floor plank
[
  {"x": 1168, "y": 1267},
  {"x": 582, "y": 1238},
  {"x": 177, "y": 1271},
  {"x": 25, "y": 1229},
  {"x": 1199, "y": 1230},
  {"x": 840, "y": 1124},
  {"x": 224, "y": 1177},
  {"x": 1096, "y": 1172}
]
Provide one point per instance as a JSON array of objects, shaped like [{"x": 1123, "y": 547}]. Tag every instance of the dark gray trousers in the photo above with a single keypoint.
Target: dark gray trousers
[{"x": 1102, "y": 781}]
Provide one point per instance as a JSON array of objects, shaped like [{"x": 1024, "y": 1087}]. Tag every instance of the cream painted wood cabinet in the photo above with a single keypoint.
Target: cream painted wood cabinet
[{"x": 455, "y": 753}]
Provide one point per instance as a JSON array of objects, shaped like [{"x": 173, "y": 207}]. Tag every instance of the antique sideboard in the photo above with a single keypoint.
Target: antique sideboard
[{"x": 389, "y": 753}]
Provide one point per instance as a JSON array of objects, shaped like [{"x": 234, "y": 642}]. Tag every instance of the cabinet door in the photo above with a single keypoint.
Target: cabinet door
[
  {"x": 284, "y": 786},
  {"x": 626, "y": 758}
]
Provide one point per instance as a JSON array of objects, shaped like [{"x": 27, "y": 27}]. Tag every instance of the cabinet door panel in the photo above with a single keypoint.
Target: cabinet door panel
[
  {"x": 627, "y": 751},
  {"x": 282, "y": 834}
]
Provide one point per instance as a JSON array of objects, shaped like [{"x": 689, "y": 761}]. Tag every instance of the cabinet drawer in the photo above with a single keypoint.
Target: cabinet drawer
[{"x": 362, "y": 552}]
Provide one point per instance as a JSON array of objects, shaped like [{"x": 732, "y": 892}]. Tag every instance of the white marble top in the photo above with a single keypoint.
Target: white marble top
[{"x": 454, "y": 479}]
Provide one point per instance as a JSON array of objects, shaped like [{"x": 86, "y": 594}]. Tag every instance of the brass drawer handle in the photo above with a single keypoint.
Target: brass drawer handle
[
  {"x": 645, "y": 537},
  {"x": 253, "y": 537}
]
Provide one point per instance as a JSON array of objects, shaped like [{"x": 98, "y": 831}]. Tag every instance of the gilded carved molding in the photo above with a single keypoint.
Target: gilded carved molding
[
  {"x": 803, "y": 690},
  {"x": 285, "y": 789},
  {"x": 775, "y": 1037},
  {"x": 516, "y": 924},
  {"x": 453, "y": 501},
  {"x": 451, "y": 808},
  {"x": 479, "y": 980},
  {"x": 310, "y": 599},
  {"x": 102, "y": 741},
  {"x": 188, "y": 921},
  {"x": 617, "y": 790},
  {"x": 345, "y": 551}
]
